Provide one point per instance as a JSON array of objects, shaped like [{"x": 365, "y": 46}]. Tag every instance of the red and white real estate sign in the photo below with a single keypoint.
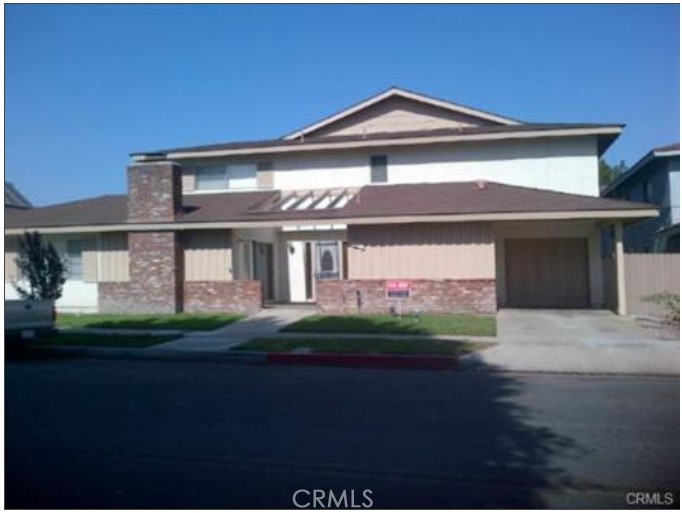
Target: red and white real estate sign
[{"x": 398, "y": 289}]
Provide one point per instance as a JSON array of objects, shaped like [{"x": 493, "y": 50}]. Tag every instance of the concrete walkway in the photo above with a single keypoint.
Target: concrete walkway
[
  {"x": 267, "y": 322},
  {"x": 585, "y": 341}
]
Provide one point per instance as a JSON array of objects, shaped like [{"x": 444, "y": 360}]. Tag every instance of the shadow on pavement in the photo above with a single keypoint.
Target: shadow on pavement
[{"x": 196, "y": 436}]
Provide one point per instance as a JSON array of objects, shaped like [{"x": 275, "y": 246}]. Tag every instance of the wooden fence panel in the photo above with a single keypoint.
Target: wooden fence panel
[{"x": 647, "y": 274}]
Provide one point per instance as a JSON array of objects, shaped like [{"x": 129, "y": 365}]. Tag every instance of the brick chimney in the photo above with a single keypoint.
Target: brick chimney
[
  {"x": 155, "y": 256},
  {"x": 154, "y": 192}
]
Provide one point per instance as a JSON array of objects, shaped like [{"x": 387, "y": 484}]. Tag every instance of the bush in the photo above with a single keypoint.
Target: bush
[{"x": 40, "y": 265}]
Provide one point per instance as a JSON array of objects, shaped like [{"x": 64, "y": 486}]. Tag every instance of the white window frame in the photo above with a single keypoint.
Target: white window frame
[{"x": 237, "y": 177}]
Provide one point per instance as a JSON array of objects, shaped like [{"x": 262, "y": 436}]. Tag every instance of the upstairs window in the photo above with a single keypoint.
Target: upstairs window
[
  {"x": 379, "y": 168},
  {"x": 223, "y": 177}
]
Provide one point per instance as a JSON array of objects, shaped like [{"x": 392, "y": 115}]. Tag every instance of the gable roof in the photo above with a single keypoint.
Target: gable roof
[
  {"x": 671, "y": 150},
  {"x": 13, "y": 198},
  {"x": 396, "y": 92},
  {"x": 371, "y": 204}
]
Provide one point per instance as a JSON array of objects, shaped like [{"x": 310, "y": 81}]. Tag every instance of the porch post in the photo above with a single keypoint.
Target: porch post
[{"x": 620, "y": 268}]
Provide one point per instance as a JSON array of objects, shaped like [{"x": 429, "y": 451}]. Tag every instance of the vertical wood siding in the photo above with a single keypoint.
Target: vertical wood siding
[
  {"x": 421, "y": 251},
  {"x": 396, "y": 115},
  {"x": 208, "y": 255},
  {"x": 114, "y": 258},
  {"x": 90, "y": 264},
  {"x": 647, "y": 274}
]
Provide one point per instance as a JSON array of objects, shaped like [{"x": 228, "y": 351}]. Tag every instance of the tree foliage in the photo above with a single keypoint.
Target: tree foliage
[
  {"x": 608, "y": 172},
  {"x": 40, "y": 265}
]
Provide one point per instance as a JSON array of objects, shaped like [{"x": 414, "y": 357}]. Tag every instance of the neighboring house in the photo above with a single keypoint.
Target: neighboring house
[
  {"x": 474, "y": 209},
  {"x": 13, "y": 198},
  {"x": 655, "y": 178}
]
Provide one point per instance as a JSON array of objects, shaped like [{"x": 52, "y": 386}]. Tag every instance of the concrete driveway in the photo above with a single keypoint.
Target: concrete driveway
[{"x": 586, "y": 341}]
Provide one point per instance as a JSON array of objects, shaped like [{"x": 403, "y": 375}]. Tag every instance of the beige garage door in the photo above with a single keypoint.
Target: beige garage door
[{"x": 547, "y": 273}]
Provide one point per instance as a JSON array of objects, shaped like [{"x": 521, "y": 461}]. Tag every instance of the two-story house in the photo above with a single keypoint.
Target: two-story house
[
  {"x": 655, "y": 178},
  {"x": 472, "y": 209}
]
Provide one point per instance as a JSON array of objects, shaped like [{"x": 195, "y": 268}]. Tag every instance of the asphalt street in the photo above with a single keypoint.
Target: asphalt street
[{"x": 124, "y": 434}]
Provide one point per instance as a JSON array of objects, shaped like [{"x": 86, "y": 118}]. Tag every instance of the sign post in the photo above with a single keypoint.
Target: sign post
[{"x": 398, "y": 289}]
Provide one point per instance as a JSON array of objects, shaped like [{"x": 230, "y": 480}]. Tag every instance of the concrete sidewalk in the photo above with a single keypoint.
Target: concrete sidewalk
[{"x": 267, "y": 322}]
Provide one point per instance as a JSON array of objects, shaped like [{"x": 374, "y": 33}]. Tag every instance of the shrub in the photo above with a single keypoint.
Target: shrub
[{"x": 39, "y": 264}]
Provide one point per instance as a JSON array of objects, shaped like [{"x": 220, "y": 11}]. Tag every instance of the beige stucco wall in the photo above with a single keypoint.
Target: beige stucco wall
[
  {"x": 552, "y": 229},
  {"x": 421, "y": 251},
  {"x": 207, "y": 255}
]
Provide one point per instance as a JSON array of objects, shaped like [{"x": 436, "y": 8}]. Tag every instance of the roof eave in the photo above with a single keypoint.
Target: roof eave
[
  {"x": 601, "y": 215},
  {"x": 609, "y": 131}
]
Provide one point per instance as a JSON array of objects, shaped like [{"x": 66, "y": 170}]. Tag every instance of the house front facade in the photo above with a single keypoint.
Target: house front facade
[
  {"x": 655, "y": 178},
  {"x": 470, "y": 210}
]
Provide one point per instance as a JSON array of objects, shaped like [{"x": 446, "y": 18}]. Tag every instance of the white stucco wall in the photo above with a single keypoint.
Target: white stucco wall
[
  {"x": 77, "y": 296},
  {"x": 561, "y": 164}
]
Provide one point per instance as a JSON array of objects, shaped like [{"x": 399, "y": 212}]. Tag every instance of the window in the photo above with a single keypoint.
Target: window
[
  {"x": 74, "y": 260},
  {"x": 379, "y": 168},
  {"x": 327, "y": 260},
  {"x": 233, "y": 176}
]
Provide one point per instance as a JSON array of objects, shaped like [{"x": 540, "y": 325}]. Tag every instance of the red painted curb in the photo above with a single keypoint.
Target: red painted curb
[{"x": 362, "y": 360}]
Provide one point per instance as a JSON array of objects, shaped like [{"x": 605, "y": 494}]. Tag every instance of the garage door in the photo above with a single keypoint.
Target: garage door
[{"x": 547, "y": 273}]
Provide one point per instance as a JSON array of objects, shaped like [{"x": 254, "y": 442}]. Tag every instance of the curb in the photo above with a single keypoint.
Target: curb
[
  {"x": 248, "y": 357},
  {"x": 311, "y": 359},
  {"x": 169, "y": 355}
]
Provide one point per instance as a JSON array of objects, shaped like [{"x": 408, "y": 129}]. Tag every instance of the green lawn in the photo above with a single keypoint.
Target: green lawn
[
  {"x": 85, "y": 339},
  {"x": 455, "y": 324},
  {"x": 182, "y": 321},
  {"x": 363, "y": 346}
]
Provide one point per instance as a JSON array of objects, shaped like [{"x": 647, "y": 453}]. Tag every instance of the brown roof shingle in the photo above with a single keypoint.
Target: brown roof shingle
[{"x": 371, "y": 201}]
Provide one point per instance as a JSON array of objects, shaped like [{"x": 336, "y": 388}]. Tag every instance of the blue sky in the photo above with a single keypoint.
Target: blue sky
[{"x": 87, "y": 85}]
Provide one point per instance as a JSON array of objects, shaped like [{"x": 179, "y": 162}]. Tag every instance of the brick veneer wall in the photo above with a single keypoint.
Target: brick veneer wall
[
  {"x": 156, "y": 277},
  {"x": 239, "y": 296},
  {"x": 434, "y": 296},
  {"x": 154, "y": 192}
]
